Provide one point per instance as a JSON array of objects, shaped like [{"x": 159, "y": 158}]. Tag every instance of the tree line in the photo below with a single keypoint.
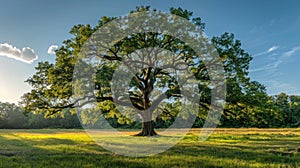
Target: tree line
[
  {"x": 13, "y": 117},
  {"x": 281, "y": 111}
]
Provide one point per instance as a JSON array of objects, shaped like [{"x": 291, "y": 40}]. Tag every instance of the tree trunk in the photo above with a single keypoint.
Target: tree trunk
[
  {"x": 147, "y": 125},
  {"x": 147, "y": 129}
]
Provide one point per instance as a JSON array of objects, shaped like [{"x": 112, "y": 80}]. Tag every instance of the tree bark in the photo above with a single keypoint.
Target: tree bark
[
  {"x": 147, "y": 125},
  {"x": 147, "y": 129}
]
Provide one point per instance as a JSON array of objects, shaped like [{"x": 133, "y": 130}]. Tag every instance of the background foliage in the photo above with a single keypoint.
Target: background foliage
[{"x": 281, "y": 111}]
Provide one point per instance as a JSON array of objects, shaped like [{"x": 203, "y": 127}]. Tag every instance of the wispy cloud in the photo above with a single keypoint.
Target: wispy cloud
[
  {"x": 270, "y": 72},
  {"x": 51, "y": 49},
  {"x": 275, "y": 87},
  {"x": 272, "y": 67},
  {"x": 292, "y": 51},
  {"x": 26, "y": 54},
  {"x": 285, "y": 56},
  {"x": 273, "y": 48}
]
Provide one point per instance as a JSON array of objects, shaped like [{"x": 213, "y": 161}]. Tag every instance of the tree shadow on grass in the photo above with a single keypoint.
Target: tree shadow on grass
[
  {"x": 222, "y": 152},
  {"x": 16, "y": 151}
]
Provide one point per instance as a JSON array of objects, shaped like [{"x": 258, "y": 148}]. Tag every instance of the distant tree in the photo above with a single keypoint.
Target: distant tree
[
  {"x": 11, "y": 116},
  {"x": 287, "y": 108},
  {"x": 64, "y": 120},
  {"x": 52, "y": 83},
  {"x": 246, "y": 100},
  {"x": 295, "y": 111}
]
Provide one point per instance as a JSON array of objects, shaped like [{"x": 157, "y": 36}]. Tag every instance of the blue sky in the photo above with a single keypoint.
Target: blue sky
[{"x": 269, "y": 30}]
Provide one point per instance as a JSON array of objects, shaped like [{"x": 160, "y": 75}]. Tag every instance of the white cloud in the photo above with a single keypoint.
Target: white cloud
[
  {"x": 285, "y": 56},
  {"x": 51, "y": 49},
  {"x": 271, "y": 71},
  {"x": 26, "y": 54},
  {"x": 273, "y": 48},
  {"x": 291, "y": 52},
  {"x": 272, "y": 67}
]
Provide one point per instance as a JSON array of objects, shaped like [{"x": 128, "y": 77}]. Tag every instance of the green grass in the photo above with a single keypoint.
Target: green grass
[{"x": 224, "y": 148}]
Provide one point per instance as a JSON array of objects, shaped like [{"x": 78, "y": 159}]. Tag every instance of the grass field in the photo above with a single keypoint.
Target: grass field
[{"x": 224, "y": 148}]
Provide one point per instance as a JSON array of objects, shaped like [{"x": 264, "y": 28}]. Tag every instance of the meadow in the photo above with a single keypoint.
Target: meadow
[{"x": 224, "y": 148}]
